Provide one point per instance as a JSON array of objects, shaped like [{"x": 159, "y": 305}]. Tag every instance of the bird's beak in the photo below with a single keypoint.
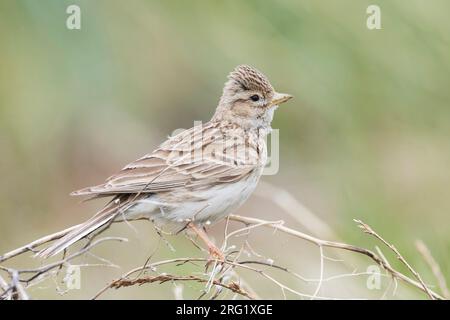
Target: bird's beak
[{"x": 279, "y": 98}]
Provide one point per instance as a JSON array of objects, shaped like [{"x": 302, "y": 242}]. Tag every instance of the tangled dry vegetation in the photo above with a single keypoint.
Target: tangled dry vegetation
[{"x": 222, "y": 279}]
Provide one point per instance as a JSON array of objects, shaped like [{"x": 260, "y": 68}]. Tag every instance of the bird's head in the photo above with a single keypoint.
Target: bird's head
[{"x": 248, "y": 99}]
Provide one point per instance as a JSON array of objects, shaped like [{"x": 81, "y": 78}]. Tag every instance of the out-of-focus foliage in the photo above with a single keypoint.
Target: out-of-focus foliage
[{"x": 366, "y": 137}]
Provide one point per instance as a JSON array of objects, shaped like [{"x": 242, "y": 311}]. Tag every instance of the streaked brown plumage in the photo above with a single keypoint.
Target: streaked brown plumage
[{"x": 199, "y": 175}]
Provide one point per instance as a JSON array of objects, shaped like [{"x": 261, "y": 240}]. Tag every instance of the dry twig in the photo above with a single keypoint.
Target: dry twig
[
  {"x": 367, "y": 229},
  {"x": 221, "y": 275},
  {"x": 343, "y": 246},
  {"x": 434, "y": 266},
  {"x": 162, "y": 278}
]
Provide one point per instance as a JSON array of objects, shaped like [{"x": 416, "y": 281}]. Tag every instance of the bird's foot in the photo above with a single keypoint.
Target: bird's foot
[
  {"x": 216, "y": 258},
  {"x": 215, "y": 253}
]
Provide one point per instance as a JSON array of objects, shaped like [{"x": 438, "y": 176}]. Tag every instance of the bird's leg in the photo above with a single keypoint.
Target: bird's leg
[{"x": 214, "y": 252}]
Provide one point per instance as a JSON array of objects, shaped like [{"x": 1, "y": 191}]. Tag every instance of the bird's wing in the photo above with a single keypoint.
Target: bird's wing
[{"x": 197, "y": 157}]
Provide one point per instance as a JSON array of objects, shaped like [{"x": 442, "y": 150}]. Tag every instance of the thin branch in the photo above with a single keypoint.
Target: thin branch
[
  {"x": 434, "y": 266},
  {"x": 45, "y": 239},
  {"x": 319, "y": 285},
  {"x": 162, "y": 278},
  {"x": 18, "y": 291},
  {"x": 367, "y": 229},
  {"x": 189, "y": 259},
  {"x": 32, "y": 245},
  {"x": 46, "y": 268},
  {"x": 338, "y": 245},
  {"x": 218, "y": 274}
]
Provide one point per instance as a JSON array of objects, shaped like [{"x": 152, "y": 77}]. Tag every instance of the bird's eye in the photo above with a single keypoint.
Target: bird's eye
[{"x": 254, "y": 97}]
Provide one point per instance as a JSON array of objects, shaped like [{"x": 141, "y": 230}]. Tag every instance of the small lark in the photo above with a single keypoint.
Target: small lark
[{"x": 198, "y": 176}]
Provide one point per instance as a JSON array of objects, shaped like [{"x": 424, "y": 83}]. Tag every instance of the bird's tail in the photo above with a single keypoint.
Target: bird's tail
[{"x": 104, "y": 216}]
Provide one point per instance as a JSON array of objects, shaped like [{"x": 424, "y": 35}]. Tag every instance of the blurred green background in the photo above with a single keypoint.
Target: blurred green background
[{"x": 366, "y": 137}]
